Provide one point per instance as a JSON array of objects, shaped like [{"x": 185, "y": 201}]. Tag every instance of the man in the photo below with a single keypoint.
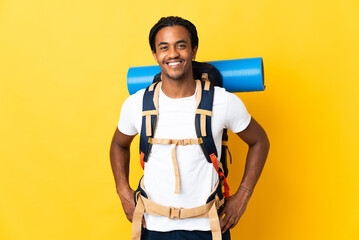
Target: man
[{"x": 174, "y": 44}]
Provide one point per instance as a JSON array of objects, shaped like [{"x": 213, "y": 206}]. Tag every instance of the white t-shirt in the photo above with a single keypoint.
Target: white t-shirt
[{"x": 197, "y": 176}]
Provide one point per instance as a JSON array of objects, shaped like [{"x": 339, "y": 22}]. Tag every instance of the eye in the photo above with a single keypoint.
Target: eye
[
  {"x": 163, "y": 48},
  {"x": 181, "y": 45}
]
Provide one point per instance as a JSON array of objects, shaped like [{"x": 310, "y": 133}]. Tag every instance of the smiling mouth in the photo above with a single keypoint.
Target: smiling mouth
[{"x": 174, "y": 63}]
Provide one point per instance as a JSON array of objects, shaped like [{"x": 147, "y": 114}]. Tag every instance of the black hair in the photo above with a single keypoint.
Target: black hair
[{"x": 170, "y": 22}]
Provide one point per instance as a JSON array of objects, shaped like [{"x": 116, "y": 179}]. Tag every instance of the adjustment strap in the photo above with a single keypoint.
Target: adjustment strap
[
  {"x": 145, "y": 205},
  {"x": 151, "y": 87},
  {"x": 149, "y": 113},
  {"x": 141, "y": 160},
  {"x": 215, "y": 163},
  {"x": 176, "y": 142},
  {"x": 214, "y": 223},
  {"x": 207, "y": 83},
  {"x": 137, "y": 219},
  {"x": 203, "y": 113},
  {"x": 153, "y": 208},
  {"x": 199, "y": 93}
]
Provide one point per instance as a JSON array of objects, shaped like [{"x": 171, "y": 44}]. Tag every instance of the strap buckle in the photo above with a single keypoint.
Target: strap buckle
[{"x": 175, "y": 213}]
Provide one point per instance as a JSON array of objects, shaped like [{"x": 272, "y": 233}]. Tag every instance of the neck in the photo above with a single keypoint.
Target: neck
[{"x": 181, "y": 88}]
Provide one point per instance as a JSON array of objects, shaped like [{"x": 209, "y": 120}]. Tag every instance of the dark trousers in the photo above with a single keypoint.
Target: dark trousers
[{"x": 180, "y": 235}]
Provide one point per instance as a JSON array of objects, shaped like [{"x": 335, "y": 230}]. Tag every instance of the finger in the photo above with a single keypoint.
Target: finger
[
  {"x": 228, "y": 225},
  {"x": 224, "y": 221},
  {"x": 221, "y": 216},
  {"x": 235, "y": 223},
  {"x": 222, "y": 213}
]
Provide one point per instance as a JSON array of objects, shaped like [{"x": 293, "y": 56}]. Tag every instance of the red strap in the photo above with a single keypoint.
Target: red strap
[
  {"x": 141, "y": 160},
  {"x": 220, "y": 174},
  {"x": 225, "y": 183}
]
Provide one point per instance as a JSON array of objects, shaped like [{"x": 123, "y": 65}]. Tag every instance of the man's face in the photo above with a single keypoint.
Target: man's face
[{"x": 174, "y": 53}]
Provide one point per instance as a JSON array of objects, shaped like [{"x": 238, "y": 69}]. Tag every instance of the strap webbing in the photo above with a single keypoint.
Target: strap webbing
[
  {"x": 145, "y": 205},
  {"x": 137, "y": 219},
  {"x": 199, "y": 93},
  {"x": 215, "y": 163},
  {"x": 176, "y": 142},
  {"x": 214, "y": 223},
  {"x": 152, "y": 112}
]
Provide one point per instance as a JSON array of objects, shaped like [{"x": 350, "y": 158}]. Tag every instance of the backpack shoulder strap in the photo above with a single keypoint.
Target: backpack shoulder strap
[
  {"x": 149, "y": 119},
  {"x": 203, "y": 124},
  {"x": 203, "y": 118}
]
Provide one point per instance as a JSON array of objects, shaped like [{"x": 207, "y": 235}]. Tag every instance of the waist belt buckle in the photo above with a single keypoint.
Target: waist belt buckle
[{"x": 175, "y": 213}]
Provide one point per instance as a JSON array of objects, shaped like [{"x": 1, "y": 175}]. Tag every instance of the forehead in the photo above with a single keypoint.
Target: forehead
[{"x": 172, "y": 34}]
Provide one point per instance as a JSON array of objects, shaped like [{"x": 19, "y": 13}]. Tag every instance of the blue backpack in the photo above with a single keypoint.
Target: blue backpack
[{"x": 210, "y": 77}]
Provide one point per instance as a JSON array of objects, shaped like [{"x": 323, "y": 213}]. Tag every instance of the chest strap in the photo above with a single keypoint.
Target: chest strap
[{"x": 175, "y": 142}]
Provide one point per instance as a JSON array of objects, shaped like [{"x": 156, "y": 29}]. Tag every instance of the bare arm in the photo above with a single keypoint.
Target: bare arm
[
  {"x": 257, "y": 140},
  {"x": 120, "y": 160}
]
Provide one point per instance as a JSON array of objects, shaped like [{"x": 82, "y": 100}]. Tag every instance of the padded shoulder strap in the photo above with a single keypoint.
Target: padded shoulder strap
[
  {"x": 149, "y": 119},
  {"x": 203, "y": 119}
]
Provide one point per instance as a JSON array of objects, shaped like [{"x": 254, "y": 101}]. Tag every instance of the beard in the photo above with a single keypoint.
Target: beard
[{"x": 175, "y": 77}]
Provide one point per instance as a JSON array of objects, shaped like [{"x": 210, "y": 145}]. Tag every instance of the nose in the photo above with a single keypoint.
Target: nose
[{"x": 173, "y": 53}]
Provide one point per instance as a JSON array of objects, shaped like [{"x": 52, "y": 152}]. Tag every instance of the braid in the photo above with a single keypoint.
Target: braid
[{"x": 170, "y": 22}]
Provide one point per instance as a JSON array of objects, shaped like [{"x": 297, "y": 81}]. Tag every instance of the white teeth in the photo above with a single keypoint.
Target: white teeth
[{"x": 173, "y": 63}]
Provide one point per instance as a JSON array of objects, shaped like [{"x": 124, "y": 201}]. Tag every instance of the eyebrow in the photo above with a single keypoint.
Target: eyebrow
[{"x": 164, "y": 43}]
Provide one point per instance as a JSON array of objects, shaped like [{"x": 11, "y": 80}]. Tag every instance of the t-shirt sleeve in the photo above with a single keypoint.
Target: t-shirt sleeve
[
  {"x": 237, "y": 116},
  {"x": 128, "y": 116}
]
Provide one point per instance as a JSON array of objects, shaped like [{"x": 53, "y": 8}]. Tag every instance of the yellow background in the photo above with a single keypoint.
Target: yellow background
[{"x": 63, "y": 66}]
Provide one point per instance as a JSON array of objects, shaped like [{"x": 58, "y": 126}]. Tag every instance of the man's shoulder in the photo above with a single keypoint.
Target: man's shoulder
[
  {"x": 138, "y": 96},
  {"x": 219, "y": 90},
  {"x": 220, "y": 94}
]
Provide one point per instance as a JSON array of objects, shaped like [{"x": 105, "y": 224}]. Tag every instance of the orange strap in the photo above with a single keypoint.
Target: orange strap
[
  {"x": 141, "y": 160},
  {"x": 220, "y": 174}
]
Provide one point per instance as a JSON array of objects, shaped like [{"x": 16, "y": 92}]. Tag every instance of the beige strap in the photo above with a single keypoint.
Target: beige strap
[
  {"x": 151, "y": 87},
  {"x": 204, "y": 112},
  {"x": 225, "y": 143},
  {"x": 176, "y": 143},
  {"x": 214, "y": 223},
  {"x": 155, "y": 95},
  {"x": 204, "y": 77},
  {"x": 148, "y": 125},
  {"x": 208, "y": 210},
  {"x": 206, "y": 85},
  {"x": 146, "y": 205},
  {"x": 150, "y": 112},
  {"x": 137, "y": 219},
  {"x": 199, "y": 93},
  {"x": 153, "y": 208},
  {"x": 179, "y": 213},
  {"x": 203, "y": 125},
  {"x": 175, "y": 167}
]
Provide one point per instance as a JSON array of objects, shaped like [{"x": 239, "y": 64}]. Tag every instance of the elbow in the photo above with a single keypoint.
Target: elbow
[
  {"x": 266, "y": 145},
  {"x": 265, "y": 142}
]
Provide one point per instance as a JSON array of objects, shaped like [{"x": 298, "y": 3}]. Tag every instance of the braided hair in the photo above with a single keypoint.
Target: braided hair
[{"x": 170, "y": 22}]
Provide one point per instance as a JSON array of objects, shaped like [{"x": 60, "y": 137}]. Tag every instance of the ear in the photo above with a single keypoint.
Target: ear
[
  {"x": 194, "y": 52},
  {"x": 154, "y": 56}
]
